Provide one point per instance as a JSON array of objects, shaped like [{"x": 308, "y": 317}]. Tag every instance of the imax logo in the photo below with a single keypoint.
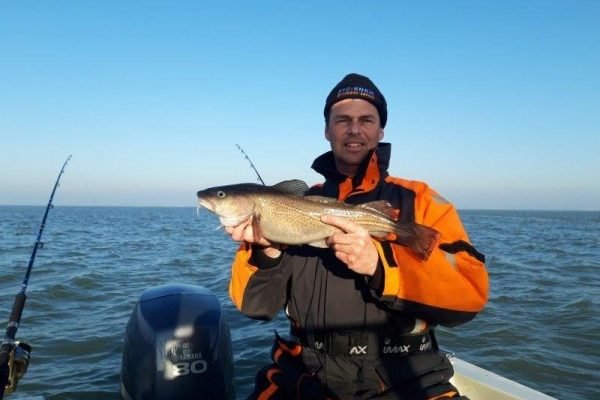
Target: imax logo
[{"x": 396, "y": 349}]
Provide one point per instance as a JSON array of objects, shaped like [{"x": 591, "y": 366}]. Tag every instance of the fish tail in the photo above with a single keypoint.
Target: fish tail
[{"x": 421, "y": 240}]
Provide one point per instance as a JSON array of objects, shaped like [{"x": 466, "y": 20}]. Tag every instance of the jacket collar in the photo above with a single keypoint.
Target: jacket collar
[{"x": 372, "y": 170}]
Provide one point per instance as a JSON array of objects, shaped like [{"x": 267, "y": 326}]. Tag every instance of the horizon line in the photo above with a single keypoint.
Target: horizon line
[{"x": 186, "y": 206}]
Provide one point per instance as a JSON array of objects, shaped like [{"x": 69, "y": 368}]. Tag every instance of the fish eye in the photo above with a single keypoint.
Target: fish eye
[{"x": 221, "y": 194}]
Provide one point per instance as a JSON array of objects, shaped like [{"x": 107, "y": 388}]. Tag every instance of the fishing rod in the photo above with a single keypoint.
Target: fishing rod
[
  {"x": 251, "y": 163},
  {"x": 14, "y": 355}
]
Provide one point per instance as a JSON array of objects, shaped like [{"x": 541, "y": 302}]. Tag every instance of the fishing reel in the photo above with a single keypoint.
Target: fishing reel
[{"x": 18, "y": 362}]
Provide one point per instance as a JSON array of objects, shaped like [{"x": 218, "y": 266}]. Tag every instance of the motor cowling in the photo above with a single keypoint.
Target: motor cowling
[{"x": 177, "y": 346}]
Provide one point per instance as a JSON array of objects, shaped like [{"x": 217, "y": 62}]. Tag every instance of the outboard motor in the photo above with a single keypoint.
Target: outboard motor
[{"x": 177, "y": 346}]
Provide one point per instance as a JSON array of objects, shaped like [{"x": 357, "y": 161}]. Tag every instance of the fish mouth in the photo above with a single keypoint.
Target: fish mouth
[
  {"x": 226, "y": 220},
  {"x": 206, "y": 204}
]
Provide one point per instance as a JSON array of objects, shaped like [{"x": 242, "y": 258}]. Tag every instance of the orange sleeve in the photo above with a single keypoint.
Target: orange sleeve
[
  {"x": 241, "y": 272},
  {"x": 449, "y": 288},
  {"x": 258, "y": 291}
]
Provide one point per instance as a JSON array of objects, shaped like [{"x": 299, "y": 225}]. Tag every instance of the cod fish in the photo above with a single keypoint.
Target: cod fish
[{"x": 281, "y": 214}]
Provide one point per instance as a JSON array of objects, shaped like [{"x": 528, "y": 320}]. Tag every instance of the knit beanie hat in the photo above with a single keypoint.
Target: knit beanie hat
[{"x": 355, "y": 86}]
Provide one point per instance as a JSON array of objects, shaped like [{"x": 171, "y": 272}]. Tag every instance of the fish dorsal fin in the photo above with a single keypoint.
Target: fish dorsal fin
[
  {"x": 382, "y": 207},
  {"x": 322, "y": 199},
  {"x": 294, "y": 187}
]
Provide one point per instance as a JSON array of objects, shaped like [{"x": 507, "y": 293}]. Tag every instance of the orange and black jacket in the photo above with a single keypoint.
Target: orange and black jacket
[{"x": 319, "y": 292}]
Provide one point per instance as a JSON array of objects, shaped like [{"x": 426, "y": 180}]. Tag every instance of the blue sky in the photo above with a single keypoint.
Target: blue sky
[{"x": 494, "y": 104}]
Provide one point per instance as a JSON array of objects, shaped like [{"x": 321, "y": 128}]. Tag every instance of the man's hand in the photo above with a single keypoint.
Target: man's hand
[
  {"x": 354, "y": 246},
  {"x": 244, "y": 232}
]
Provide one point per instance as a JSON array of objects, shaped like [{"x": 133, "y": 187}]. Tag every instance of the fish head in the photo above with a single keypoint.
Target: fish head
[{"x": 233, "y": 204}]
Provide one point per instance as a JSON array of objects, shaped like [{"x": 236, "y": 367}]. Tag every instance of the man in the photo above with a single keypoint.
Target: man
[{"x": 362, "y": 311}]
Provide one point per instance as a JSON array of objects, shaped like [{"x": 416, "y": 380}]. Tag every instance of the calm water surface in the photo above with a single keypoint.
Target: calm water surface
[{"x": 540, "y": 327}]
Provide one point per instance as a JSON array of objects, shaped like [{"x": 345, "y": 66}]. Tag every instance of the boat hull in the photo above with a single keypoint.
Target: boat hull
[{"x": 478, "y": 383}]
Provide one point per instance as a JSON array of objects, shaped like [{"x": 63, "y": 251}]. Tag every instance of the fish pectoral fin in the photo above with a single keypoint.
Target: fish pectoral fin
[
  {"x": 295, "y": 187},
  {"x": 319, "y": 243},
  {"x": 382, "y": 207}
]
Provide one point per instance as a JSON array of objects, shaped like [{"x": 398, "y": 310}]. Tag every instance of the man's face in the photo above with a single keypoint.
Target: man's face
[{"x": 353, "y": 129}]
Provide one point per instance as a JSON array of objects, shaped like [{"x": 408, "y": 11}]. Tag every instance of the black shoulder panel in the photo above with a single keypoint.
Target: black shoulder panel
[
  {"x": 433, "y": 315},
  {"x": 461, "y": 245}
]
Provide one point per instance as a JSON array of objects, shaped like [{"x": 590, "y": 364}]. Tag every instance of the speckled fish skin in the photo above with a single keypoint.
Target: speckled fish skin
[{"x": 282, "y": 215}]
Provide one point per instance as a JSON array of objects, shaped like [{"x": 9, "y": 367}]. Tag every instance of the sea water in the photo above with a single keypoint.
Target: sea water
[{"x": 540, "y": 328}]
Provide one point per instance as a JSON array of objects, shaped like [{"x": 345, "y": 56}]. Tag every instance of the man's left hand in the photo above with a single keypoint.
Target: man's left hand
[{"x": 354, "y": 246}]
